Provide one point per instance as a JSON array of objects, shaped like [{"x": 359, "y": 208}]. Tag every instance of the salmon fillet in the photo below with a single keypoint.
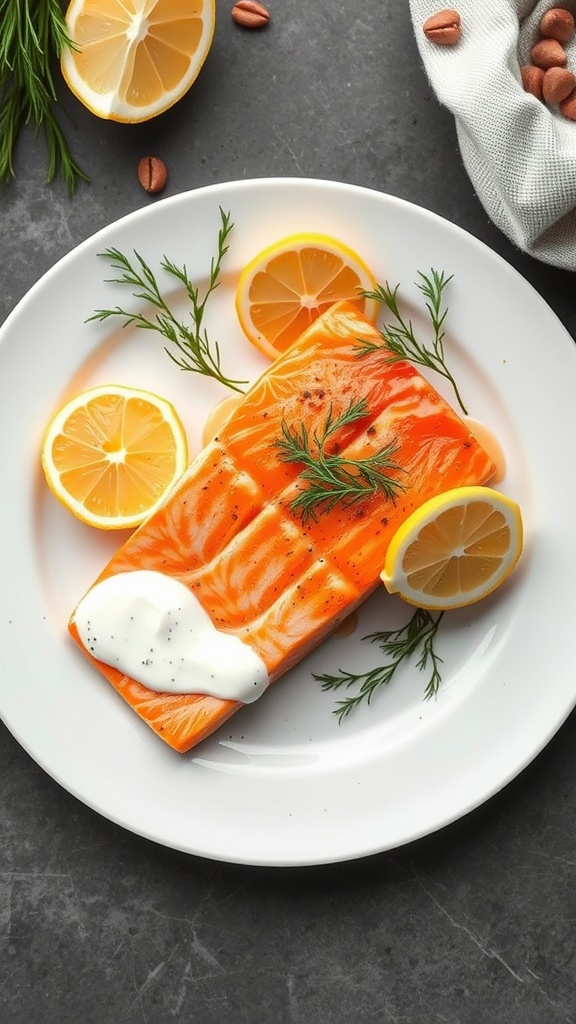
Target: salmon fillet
[{"x": 228, "y": 531}]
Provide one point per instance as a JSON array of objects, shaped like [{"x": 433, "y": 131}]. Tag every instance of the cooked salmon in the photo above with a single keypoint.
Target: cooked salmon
[{"x": 229, "y": 532}]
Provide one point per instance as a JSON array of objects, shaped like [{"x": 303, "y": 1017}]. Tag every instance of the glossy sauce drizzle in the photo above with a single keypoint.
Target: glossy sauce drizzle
[
  {"x": 218, "y": 417},
  {"x": 491, "y": 445}
]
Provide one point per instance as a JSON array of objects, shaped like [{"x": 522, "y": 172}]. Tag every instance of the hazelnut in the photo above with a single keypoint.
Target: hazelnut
[
  {"x": 532, "y": 78},
  {"x": 152, "y": 173},
  {"x": 568, "y": 106},
  {"x": 557, "y": 24},
  {"x": 443, "y": 28},
  {"x": 548, "y": 53},
  {"x": 557, "y": 84}
]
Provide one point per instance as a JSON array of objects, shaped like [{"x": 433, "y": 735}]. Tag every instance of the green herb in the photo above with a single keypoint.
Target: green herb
[
  {"x": 195, "y": 351},
  {"x": 331, "y": 477},
  {"x": 396, "y": 645},
  {"x": 32, "y": 35},
  {"x": 399, "y": 337}
]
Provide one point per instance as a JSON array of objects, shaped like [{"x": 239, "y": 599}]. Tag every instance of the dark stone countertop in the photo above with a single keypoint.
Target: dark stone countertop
[{"x": 473, "y": 925}]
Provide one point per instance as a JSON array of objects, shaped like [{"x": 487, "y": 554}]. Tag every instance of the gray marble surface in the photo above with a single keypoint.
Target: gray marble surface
[{"x": 473, "y": 925}]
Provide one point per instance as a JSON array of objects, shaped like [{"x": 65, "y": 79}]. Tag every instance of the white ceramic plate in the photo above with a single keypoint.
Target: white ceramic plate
[{"x": 283, "y": 783}]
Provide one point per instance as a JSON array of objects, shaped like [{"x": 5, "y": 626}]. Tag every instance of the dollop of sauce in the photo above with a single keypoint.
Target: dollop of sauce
[
  {"x": 152, "y": 628},
  {"x": 347, "y": 626}
]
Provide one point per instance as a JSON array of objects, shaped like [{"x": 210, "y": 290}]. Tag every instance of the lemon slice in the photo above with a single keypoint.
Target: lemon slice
[
  {"x": 290, "y": 283},
  {"x": 112, "y": 454},
  {"x": 132, "y": 59},
  {"x": 455, "y": 549}
]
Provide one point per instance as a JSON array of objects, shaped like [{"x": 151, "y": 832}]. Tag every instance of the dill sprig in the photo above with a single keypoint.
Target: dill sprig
[
  {"x": 399, "y": 337},
  {"x": 330, "y": 476},
  {"x": 32, "y": 36},
  {"x": 194, "y": 350},
  {"x": 396, "y": 645}
]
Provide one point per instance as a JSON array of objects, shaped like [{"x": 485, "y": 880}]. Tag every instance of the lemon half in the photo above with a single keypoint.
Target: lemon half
[{"x": 133, "y": 59}]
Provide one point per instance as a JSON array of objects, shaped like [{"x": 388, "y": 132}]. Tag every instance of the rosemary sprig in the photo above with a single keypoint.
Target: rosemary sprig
[
  {"x": 32, "y": 35},
  {"x": 399, "y": 337},
  {"x": 330, "y": 476},
  {"x": 396, "y": 645},
  {"x": 194, "y": 350}
]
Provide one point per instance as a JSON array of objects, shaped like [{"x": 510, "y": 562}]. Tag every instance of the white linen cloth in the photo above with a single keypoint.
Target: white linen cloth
[{"x": 519, "y": 153}]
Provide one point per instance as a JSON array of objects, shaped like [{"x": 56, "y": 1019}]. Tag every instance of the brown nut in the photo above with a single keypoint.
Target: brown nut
[
  {"x": 532, "y": 78},
  {"x": 548, "y": 53},
  {"x": 568, "y": 106},
  {"x": 250, "y": 14},
  {"x": 557, "y": 24},
  {"x": 152, "y": 173},
  {"x": 443, "y": 28},
  {"x": 557, "y": 84}
]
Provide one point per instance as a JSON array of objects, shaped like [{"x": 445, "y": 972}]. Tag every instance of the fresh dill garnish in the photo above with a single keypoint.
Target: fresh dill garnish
[
  {"x": 194, "y": 350},
  {"x": 396, "y": 645},
  {"x": 33, "y": 34},
  {"x": 399, "y": 337},
  {"x": 330, "y": 476}
]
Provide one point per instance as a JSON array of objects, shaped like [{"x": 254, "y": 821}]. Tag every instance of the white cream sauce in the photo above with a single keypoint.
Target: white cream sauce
[{"x": 152, "y": 628}]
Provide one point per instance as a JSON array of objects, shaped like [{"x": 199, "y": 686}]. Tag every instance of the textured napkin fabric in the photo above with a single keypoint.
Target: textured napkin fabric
[{"x": 519, "y": 153}]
